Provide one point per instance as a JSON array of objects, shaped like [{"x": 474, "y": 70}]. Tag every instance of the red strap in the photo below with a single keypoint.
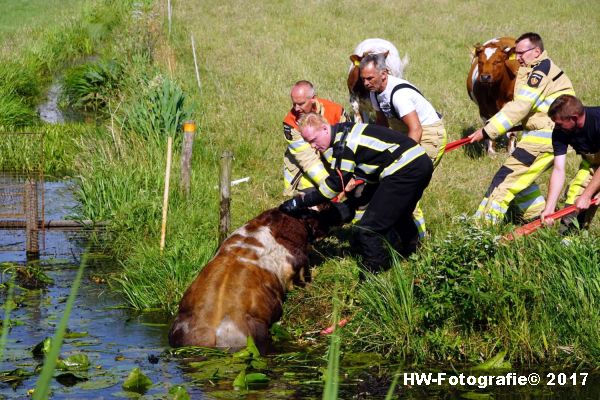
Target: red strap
[
  {"x": 456, "y": 144},
  {"x": 534, "y": 225},
  {"x": 329, "y": 330}
]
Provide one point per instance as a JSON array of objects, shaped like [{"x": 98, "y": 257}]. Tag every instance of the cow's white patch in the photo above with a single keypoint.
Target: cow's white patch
[
  {"x": 229, "y": 334},
  {"x": 183, "y": 326},
  {"x": 473, "y": 80},
  {"x": 375, "y": 46},
  {"x": 271, "y": 256},
  {"x": 489, "y": 52}
]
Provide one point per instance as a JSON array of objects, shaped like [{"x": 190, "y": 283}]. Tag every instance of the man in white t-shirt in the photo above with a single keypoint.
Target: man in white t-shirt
[{"x": 401, "y": 106}]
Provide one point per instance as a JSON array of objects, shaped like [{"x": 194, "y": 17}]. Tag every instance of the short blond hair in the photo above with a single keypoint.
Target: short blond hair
[{"x": 311, "y": 119}]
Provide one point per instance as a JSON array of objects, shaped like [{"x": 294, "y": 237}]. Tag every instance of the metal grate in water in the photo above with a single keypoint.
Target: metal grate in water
[{"x": 22, "y": 190}]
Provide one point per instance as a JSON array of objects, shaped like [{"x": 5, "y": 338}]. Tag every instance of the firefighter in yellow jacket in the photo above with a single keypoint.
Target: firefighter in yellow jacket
[
  {"x": 303, "y": 167},
  {"x": 539, "y": 82}
]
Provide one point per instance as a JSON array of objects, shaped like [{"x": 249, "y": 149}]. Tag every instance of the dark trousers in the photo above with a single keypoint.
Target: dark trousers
[{"x": 388, "y": 217}]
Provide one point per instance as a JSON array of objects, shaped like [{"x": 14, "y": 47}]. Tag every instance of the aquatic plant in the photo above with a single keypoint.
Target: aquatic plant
[
  {"x": 156, "y": 110},
  {"x": 92, "y": 85}
]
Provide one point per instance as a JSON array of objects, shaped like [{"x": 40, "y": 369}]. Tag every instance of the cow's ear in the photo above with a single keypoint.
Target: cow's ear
[
  {"x": 355, "y": 59},
  {"x": 478, "y": 48},
  {"x": 386, "y": 54},
  {"x": 509, "y": 51}
]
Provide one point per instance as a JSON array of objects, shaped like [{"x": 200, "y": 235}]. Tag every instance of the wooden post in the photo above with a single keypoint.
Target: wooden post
[
  {"x": 189, "y": 129},
  {"x": 225, "y": 189},
  {"x": 30, "y": 200},
  {"x": 163, "y": 232}
]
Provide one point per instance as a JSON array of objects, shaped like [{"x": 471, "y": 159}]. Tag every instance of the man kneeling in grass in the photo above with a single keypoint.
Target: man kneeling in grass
[
  {"x": 397, "y": 171},
  {"x": 579, "y": 127}
]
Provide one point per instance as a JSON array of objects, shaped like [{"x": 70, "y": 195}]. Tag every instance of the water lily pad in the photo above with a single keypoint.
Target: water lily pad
[
  {"x": 253, "y": 380},
  {"x": 74, "y": 335},
  {"x": 179, "y": 393},
  {"x": 14, "y": 377},
  {"x": 137, "y": 382},
  {"x": 279, "y": 334},
  {"x": 258, "y": 364},
  {"x": 76, "y": 362},
  {"x": 256, "y": 379},
  {"x": 240, "y": 380},
  {"x": 42, "y": 348},
  {"x": 70, "y": 378},
  {"x": 99, "y": 383},
  {"x": 361, "y": 359},
  {"x": 216, "y": 369},
  {"x": 496, "y": 362}
]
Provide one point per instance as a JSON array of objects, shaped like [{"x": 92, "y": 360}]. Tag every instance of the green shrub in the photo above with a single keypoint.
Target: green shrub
[
  {"x": 449, "y": 275},
  {"x": 15, "y": 113},
  {"x": 90, "y": 86}
]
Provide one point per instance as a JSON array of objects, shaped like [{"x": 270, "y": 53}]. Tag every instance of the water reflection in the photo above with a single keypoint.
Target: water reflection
[{"x": 117, "y": 340}]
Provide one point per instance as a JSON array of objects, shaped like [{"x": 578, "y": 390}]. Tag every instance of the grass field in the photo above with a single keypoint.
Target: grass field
[
  {"x": 21, "y": 18},
  {"x": 252, "y": 56}
]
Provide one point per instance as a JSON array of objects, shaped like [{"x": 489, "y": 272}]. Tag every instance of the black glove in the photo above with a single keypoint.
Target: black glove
[{"x": 291, "y": 206}]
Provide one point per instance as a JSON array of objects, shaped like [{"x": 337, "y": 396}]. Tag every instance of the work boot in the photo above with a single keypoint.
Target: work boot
[{"x": 410, "y": 247}]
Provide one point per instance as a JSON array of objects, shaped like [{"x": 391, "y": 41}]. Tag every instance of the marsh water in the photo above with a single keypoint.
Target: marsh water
[{"x": 117, "y": 340}]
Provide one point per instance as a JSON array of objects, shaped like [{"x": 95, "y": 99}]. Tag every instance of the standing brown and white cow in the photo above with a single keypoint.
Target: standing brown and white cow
[
  {"x": 359, "y": 95},
  {"x": 491, "y": 79}
]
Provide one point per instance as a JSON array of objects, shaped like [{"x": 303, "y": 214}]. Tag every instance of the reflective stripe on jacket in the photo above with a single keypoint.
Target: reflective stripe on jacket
[{"x": 537, "y": 86}]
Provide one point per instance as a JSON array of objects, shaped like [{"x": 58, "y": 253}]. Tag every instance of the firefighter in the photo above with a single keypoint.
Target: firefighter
[
  {"x": 579, "y": 127},
  {"x": 303, "y": 167},
  {"x": 401, "y": 106},
  {"x": 539, "y": 82},
  {"x": 397, "y": 171}
]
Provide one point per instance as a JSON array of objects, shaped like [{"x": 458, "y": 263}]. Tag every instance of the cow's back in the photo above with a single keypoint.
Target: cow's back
[
  {"x": 227, "y": 302},
  {"x": 240, "y": 292}
]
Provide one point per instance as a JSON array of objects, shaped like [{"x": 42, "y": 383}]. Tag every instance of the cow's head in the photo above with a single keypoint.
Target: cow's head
[{"x": 494, "y": 62}]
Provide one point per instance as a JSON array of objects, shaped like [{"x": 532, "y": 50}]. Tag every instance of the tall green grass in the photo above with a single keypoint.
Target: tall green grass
[
  {"x": 30, "y": 60},
  {"x": 536, "y": 298}
]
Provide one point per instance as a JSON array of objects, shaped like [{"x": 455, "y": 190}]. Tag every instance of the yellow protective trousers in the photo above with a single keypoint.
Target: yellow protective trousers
[
  {"x": 582, "y": 178},
  {"x": 515, "y": 180}
]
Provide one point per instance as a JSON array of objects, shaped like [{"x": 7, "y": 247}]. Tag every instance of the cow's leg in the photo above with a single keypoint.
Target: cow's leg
[
  {"x": 512, "y": 142},
  {"x": 490, "y": 145},
  {"x": 355, "y": 104}
]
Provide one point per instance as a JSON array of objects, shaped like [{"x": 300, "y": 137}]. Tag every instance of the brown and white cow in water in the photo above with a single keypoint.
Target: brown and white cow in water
[
  {"x": 240, "y": 292},
  {"x": 491, "y": 80},
  {"x": 359, "y": 95}
]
